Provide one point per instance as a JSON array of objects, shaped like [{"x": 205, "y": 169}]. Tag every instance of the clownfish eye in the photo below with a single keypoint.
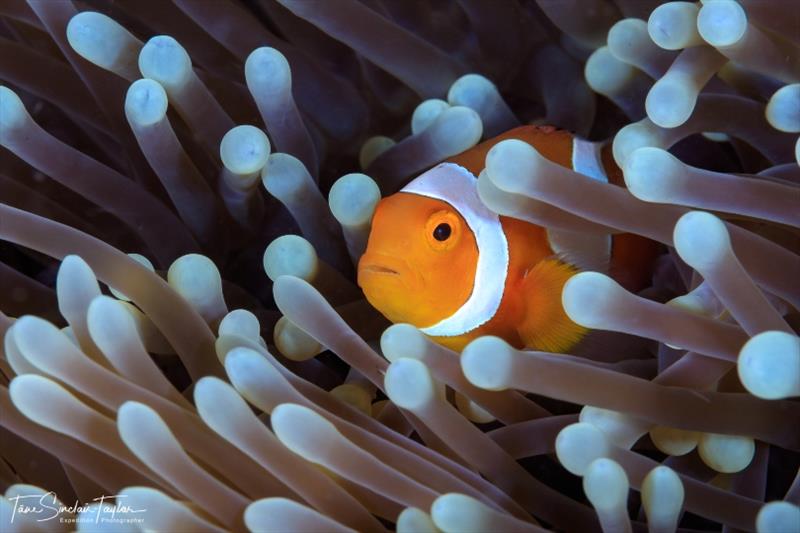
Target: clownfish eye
[{"x": 442, "y": 232}]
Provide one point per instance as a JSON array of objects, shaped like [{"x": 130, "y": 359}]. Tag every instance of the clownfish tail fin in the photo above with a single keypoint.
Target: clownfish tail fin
[{"x": 545, "y": 326}]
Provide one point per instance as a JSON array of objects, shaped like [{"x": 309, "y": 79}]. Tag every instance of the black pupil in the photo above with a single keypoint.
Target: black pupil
[{"x": 442, "y": 232}]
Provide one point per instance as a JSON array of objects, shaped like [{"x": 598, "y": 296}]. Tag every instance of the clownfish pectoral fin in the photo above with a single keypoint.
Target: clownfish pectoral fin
[{"x": 545, "y": 326}]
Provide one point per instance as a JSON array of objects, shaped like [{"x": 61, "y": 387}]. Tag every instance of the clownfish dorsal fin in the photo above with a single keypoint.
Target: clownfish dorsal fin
[{"x": 545, "y": 326}]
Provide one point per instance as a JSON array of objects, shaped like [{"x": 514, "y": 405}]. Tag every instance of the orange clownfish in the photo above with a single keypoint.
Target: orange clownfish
[{"x": 439, "y": 259}]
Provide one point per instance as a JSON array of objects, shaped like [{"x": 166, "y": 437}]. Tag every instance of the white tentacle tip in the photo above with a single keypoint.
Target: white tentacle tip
[
  {"x": 587, "y": 298},
  {"x": 244, "y": 149},
  {"x": 413, "y": 520},
  {"x": 778, "y": 516},
  {"x": 100, "y": 39},
  {"x": 163, "y": 59},
  {"x": 462, "y": 513},
  {"x": 402, "y": 340},
  {"x": 769, "y": 365},
  {"x": 425, "y": 114},
  {"x": 701, "y": 239},
  {"x": 721, "y": 22},
  {"x": 653, "y": 174},
  {"x": 146, "y": 102},
  {"x": 473, "y": 91},
  {"x": 606, "y": 74},
  {"x": 633, "y": 136},
  {"x": 783, "y": 109},
  {"x": 304, "y": 431},
  {"x": 577, "y": 445},
  {"x": 290, "y": 255},
  {"x": 353, "y": 199},
  {"x": 726, "y": 453},
  {"x": 455, "y": 130},
  {"x": 662, "y": 497},
  {"x": 487, "y": 362},
  {"x": 673, "y": 25},
  {"x": 267, "y": 71},
  {"x": 372, "y": 149},
  {"x": 605, "y": 484},
  {"x": 510, "y": 163},
  {"x": 409, "y": 384},
  {"x": 670, "y": 102},
  {"x": 13, "y": 114}
]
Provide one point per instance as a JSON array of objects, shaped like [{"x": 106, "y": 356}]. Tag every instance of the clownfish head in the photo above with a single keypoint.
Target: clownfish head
[
  {"x": 420, "y": 261},
  {"x": 424, "y": 254}
]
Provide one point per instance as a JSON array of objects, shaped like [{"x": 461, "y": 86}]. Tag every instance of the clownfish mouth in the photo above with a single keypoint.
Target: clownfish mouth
[
  {"x": 378, "y": 272},
  {"x": 378, "y": 269}
]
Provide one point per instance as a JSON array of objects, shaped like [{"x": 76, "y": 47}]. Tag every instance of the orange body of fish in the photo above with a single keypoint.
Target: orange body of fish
[{"x": 437, "y": 258}]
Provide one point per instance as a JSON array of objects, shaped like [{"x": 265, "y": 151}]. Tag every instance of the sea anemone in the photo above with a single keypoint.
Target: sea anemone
[{"x": 185, "y": 349}]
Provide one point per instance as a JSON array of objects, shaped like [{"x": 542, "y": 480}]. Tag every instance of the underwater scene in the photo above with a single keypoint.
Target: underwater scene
[{"x": 400, "y": 265}]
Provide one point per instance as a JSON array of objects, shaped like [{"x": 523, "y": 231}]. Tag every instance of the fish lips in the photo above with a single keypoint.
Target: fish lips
[{"x": 381, "y": 269}]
